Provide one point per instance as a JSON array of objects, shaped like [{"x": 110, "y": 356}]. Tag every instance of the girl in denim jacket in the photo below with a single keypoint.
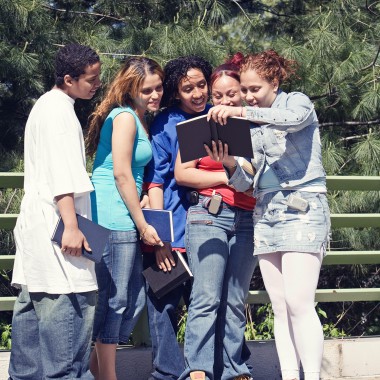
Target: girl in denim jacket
[{"x": 291, "y": 218}]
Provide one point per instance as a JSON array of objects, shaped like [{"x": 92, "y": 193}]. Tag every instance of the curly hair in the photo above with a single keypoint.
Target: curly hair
[
  {"x": 270, "y": 66},
  {"x": 177, "y": 69},
  {"x": 121, "y": 92},
  {"x": 72, "y": 60}
]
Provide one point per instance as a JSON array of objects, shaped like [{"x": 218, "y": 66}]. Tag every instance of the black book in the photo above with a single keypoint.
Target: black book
[
  {"x": 162, "y": 282},
  {"x": 195, "y": 132},
  {"x": 96, "y": 235},
  {"x": 162, "y": 221}
]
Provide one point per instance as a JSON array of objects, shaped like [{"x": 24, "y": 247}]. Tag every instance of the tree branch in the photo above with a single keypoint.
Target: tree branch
[
  {"x": 349, "y": 123},
  {"x": 374, "y": 60},
  {"x": 316, "y": 97},
  {"x": 354, "y": 137},
  {"x": 263, "y": 7},
  {"x": 369, "y": 6},
  {"x": 83, "y": 13},
  {"x": 333, "y": 92},
  {"x": 270, "y": 10},
  {"x": 244, "y": 13},
  {"x": 112, "y": 54},
  {"x": 361, "y": 319}
]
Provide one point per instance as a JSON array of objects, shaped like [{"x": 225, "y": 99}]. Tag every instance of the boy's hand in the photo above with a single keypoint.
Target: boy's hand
[{"x": 73, "y": 241}]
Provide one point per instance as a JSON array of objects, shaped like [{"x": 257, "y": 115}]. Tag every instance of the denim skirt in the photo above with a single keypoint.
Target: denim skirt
[{"x": 281, "y": 228}]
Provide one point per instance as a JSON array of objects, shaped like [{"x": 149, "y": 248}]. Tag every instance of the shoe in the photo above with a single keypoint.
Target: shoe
[
  {"x": 243, "y": 377},
  {"x": 197, "y": 375}
]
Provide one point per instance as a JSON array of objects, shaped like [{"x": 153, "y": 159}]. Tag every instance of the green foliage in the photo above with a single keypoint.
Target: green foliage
[
  {"x": 182, "y": 325},
  {"x": 265, "y": 325},
  {"x": 329, "y": 329},
  {"x": 6, "y": 336}
]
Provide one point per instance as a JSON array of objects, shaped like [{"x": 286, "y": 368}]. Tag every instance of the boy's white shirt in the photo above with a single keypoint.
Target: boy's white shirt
[{"x": 54, "y": 165}]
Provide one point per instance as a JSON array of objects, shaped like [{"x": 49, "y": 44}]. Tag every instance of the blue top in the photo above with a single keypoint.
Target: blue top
[
  {"x": 108, "y": 208},
  {"x": 161, "y": 168}
]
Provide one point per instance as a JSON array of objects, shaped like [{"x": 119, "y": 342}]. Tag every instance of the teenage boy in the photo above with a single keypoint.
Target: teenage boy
[{"x": 53, "y": 313}]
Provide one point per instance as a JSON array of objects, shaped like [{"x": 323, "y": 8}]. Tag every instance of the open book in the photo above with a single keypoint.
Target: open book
[
  {"x": 161, "y": 282},
  {"x": 195, "y": 132}
]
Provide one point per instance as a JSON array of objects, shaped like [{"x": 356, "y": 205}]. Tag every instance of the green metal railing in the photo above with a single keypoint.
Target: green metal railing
[{"x": 358, "y": 183}]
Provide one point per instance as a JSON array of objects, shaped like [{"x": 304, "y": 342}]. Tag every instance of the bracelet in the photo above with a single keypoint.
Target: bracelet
[{"x": 144, "y": 231}]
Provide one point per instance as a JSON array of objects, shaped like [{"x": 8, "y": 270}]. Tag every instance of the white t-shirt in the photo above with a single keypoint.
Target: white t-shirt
[{"x": 54, "y": 165}]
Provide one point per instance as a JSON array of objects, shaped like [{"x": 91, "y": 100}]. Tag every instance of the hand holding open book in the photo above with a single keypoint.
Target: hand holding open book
[{"x": 194, "y": 133}]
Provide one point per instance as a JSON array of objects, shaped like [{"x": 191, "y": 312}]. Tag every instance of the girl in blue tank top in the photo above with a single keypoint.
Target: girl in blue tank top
[{"x": 118, "y": 135}]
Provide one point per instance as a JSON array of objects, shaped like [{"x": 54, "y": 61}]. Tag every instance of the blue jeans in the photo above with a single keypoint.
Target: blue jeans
[
  {"x": 220, "y": 250},
  {"x": 121, "y": 296},
  {"x": 168, "y": 362},
  {"x": 51, "y": 336}
]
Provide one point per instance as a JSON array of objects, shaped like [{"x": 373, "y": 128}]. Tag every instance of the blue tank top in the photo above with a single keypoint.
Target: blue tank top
[{"x": 108, "y": 208}]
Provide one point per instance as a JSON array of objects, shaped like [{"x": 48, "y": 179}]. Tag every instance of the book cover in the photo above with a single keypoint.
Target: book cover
[
  {"x": 96, "y": 235},
  {"x": 195, "y": 132},
  {"x": 162, "y": 221},
  {"x": 162, "y": 282}
]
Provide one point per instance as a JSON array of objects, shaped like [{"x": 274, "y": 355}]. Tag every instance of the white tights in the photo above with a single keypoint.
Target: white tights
[{"x": 291, "y": 279}]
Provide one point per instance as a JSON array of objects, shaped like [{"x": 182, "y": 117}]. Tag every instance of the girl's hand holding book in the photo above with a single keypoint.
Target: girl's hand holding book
[
  {"x": 219, "y": 153},
  {"x": 149, "y": 236}
]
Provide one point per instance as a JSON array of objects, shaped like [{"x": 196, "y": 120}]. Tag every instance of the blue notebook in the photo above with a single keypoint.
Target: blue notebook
[
  {"x": 162, "y": 221},
  {"x": 96, "y": 235}
]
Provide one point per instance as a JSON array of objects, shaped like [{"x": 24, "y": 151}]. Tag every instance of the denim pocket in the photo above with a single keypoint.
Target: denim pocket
[{"x": 199, "y": 214}]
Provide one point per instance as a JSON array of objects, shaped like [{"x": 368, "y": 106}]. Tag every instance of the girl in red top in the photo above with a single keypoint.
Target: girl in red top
[{"x": 219, "y": 245}]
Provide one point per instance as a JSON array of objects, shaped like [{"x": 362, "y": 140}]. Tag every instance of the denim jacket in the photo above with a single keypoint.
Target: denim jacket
[{"x": 287, "y": 139}]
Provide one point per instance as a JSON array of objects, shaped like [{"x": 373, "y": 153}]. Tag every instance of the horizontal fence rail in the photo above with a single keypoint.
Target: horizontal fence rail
[
  {"x": 8, "y": 221},
  {"x": 334, "y": 183}
]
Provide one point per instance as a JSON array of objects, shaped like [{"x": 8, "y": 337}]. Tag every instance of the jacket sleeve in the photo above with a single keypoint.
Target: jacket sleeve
[
  {"x": 297, "y": 113},
  {"x": 240, "y": 180}
]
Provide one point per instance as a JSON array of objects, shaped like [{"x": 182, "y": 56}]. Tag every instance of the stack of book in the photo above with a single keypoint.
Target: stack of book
[{"x": 161, "y": 282}]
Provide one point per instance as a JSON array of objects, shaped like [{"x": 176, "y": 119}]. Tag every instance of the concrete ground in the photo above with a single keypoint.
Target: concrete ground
[{"x": 344, "y": 359}]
